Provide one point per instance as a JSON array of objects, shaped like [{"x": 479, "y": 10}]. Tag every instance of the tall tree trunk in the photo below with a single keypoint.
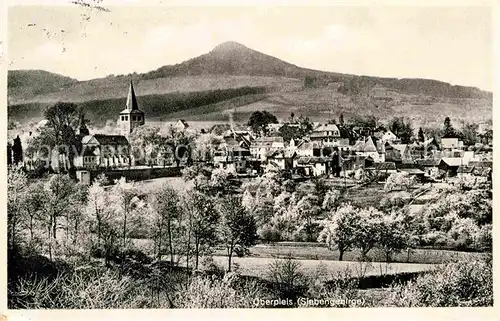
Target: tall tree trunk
[
  {"x": 341, "y": 254},
  {"x": 230, "y": 256},
  {"x": 159, "y": 242},
  {"x": 31, "y": 228},
  {"x": 170, "y": 245},
  {"x": 54, "y": 226},
  {"x": 196, "y": 252}
]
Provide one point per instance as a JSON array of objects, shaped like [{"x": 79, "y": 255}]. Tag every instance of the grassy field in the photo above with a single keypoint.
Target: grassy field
[
  {"x": 319, "y": 252},
  {"x": 258, "y": 266}
]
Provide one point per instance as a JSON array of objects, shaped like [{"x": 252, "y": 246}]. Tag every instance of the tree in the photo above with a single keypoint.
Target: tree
[
  {"x": 400, "y": 181},
  {"x": 289, "y": 132},
  {"x": 62, "y": 121},
  {"x": 166, "y": 205},
  {"x": 33, "y": 205},
  {"x": 201, "y": 222},
  {"x": 341, "y": 120},
  {"x": 123, "y": 197},
  {"x": 102, "y": 217},
  {"x": 338, "y": 230},
  {"x": 260, "y": 119},
  {"x": 448, "y": 131},
  {"x": 367, "y": 230},
  {"x": 9, "y": 154},
  {"x": 469, "y": 134},
  {"x": 421, "y": 137},
  {"x": 148, "y": 142},
  {"x": 392, "y": 237},
  {"x": 181, "y": 142},
  {"x": 17, "y": 150},
  {"x": 238, "y": 230},
  {"x": 402, "y": 128},
  {"x": 305, "y": 126},
  {"x": 16, "y": 187},
  {"x": 292, "y": 115}
]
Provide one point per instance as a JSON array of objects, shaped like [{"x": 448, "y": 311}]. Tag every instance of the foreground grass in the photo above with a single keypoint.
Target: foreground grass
[{"x": 258, "y": 266}]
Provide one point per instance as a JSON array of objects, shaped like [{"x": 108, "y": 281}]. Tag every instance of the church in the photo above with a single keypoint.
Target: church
[{"x": 110, "y": 151}]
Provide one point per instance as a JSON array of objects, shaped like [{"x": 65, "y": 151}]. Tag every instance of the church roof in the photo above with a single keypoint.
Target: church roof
[
  {"x": 106, "y": 139},
  {"x": 131, "y": 105}
]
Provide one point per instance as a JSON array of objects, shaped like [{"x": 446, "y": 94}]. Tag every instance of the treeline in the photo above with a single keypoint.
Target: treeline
[
  {"x": 154, "y": 106},
  {"x": 355, "y": 85}
]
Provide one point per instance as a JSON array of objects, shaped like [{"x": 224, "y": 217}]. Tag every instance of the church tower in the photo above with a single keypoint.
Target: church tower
[{"x": 131, "y": 117}]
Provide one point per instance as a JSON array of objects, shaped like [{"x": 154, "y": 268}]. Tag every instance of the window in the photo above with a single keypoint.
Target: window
[{"x": 133, "y": 118}]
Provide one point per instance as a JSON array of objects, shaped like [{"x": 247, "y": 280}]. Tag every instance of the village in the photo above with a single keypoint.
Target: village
[{"x": 334, "y": 149}]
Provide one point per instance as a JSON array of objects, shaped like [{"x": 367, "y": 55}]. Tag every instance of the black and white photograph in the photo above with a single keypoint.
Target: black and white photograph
[{"x": 248, "y": 156}]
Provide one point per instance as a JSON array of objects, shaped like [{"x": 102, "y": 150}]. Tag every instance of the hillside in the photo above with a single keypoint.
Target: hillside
[
  {"x": 32, "y": 83},
  {"x": 232, "y": 66}
]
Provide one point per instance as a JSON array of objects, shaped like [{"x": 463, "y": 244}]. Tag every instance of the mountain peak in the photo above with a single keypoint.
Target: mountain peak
[{"x": 230, "y": 46}]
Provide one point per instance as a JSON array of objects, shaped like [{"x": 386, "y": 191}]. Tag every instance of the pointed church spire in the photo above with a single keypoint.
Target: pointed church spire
[{"x": 131, "y": 99}]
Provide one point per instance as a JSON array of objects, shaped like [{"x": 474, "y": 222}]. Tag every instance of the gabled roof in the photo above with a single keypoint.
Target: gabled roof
[
  {"x": 183, "y": 123},
  {"x": 105, "y": 139},
  {"x": 452, "y": 161}
]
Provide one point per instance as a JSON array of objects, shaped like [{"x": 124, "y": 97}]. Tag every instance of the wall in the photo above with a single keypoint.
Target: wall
[{"x": 138, "y": 174}]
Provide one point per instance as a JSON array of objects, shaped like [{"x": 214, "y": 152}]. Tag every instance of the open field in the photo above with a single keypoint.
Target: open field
[
  {"x": 258, "y": 266},
  {"x": 317, "y": 251}
]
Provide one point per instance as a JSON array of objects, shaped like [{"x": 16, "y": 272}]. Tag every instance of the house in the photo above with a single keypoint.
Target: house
[
  {"x": 313, "y": 166},
  {"x": 481, "y": 168},
  {"x": 450, "y": 142},
  {"x": 427, "y": 148},
  {"x": 464, "y": 170},
  {"x": 232, "y": 153},
  {"x": 366, "y": 147},
  {"x": 429, "y": 166},
  {"x": 396, "y": 152},
  {"x": 450, "y": 165},
  {"x": 389, "y": 136},
  {"x": 377, "y": 169},
  {"x": 263, "y": 145},
  {"x": 181, "y": 125},
  {"x": 329, "y": 135},
  {"x": 108, "y": 151}
]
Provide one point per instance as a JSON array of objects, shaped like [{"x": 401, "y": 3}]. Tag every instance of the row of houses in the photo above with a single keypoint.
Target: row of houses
[{"x": 326, "y": 152}]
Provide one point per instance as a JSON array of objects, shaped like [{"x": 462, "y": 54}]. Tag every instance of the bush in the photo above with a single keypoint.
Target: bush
[
  {"x": 460, "y": 284},
  {"x": 77, "y": 290},
  {"x": 399, "y": 182},
  {"x": 269, "y": 234},
  {"x": 209, "y": 293}
]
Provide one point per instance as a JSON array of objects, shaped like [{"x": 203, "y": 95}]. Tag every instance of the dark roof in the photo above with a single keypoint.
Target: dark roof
[
  {"x": 312, "y": 160},
  {"x": 131, "y": 99},
  {"x": 111, "y": 139},
  {"x": 428, "y": 162},
  {"x": 383, "y": 166},
  {"x": 465, "y": 169},
  {"x": 412, "y": 171},
  {"x": 482, "y": 164}
]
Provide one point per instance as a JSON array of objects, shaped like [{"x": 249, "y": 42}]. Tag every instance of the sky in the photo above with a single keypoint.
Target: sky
[{"x": 452, "y": 44}]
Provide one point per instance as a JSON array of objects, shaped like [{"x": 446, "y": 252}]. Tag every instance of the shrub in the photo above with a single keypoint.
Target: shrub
[
  {"x": 207, "y": 293},
  {"x": 459, "y": 284},
  {"x": 269, "y": 234},
  {"x": 78, "y": 290},
  {"x": 288, "y": 277},
  {"x": 399, "y": 182}
]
